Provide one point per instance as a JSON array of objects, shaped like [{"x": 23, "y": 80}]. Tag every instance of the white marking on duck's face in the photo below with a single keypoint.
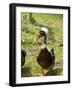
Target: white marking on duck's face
[{"x": 45, "y": 30}]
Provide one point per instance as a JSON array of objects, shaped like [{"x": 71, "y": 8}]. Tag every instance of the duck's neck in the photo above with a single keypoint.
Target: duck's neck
[
  {"x": 43, "y": 46},
  {"x": 43, "y": 42}
]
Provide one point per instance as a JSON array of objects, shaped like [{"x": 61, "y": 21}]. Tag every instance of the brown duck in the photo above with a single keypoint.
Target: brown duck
[{"x": 46, "y": 58}]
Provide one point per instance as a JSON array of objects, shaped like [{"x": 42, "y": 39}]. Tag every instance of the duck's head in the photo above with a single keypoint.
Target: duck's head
[{"x": 41, "y": 36}]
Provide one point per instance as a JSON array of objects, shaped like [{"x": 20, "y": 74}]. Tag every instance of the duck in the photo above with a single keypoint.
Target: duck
[
  {"x": 23, "y": 55},
  {"x": 46, "y": 57}
]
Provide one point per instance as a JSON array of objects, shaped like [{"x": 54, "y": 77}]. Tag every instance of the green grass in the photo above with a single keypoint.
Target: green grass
[{"x": 54, "y": 23}]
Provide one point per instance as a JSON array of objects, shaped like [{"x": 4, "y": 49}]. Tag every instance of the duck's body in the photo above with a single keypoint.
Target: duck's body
[
  {"x": 23, "y": 54},
  {"x": 46, "y": 59}
]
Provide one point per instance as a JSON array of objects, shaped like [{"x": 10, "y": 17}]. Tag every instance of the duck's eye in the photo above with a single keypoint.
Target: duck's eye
[{"x": 42, "y": 33}]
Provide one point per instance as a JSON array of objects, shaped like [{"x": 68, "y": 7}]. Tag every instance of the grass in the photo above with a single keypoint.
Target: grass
[{"x": 54, "y": 23}]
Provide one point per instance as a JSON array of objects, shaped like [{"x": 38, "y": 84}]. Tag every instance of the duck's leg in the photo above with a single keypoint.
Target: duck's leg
[{"x": 42, "y": 72}]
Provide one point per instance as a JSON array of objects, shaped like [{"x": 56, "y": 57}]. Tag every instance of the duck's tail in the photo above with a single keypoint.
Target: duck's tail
[{"x": 52, "y": 51}]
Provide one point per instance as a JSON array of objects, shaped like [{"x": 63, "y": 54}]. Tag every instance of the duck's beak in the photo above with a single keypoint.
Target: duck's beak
[{"x": 37, "y": 36}]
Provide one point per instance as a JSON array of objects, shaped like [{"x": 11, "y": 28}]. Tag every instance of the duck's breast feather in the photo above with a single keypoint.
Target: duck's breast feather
[{"x": 44, "y": 58}]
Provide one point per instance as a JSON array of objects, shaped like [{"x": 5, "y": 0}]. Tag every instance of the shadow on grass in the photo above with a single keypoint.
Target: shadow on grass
[
  {"x": 56, "y": 71},
  {"x": 25, "y": 72}
]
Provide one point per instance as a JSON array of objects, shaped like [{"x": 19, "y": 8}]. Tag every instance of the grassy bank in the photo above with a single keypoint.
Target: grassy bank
[{"x": 29, "y": 29}]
